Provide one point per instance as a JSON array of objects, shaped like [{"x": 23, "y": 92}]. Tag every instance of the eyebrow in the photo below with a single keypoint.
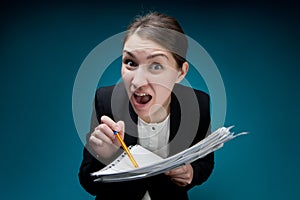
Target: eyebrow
[
  {"x": 129, "y": 53},
  {"x": 157, "y": 54},
  {"x": 148, "y": 57}
]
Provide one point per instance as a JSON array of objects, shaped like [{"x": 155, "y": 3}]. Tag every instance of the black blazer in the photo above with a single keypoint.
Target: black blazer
[{"x": 189, "y": 123}]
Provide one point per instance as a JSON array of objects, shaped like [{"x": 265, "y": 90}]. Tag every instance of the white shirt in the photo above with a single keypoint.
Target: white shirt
[{"x": 155, "y": 137}]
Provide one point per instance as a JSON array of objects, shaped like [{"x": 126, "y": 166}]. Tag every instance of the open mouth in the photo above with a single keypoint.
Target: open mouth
[{"x": 142, "y": 98}]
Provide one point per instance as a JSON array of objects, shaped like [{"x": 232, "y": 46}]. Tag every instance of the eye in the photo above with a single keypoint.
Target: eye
[
  {"x": 156, "y": 67},
  {"x": 129, "y": 63}
]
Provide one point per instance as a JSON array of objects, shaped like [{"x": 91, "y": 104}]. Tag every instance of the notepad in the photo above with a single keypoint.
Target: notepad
[
  {"x": 143, "y": 157},
  {"x": 150, "y": 164}
]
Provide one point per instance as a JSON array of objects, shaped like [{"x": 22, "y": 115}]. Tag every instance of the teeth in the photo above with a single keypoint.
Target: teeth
[{"x": 140, "y": 94}]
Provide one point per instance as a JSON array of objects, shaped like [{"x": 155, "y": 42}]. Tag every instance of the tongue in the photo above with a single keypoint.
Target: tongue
[{"x": 143, "y": 99}]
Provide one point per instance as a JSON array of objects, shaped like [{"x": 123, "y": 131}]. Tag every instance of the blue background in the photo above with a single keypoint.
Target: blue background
[{"x": 255, "y": 46}]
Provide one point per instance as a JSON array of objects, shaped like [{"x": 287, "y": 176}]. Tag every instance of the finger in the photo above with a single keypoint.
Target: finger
[
  {"x": 105, "y": 130},
  {"x": 105, "y": 134},
  {"x": 180, "y": 182},
  {"x": 110, "y": 123},
  {"x": 121, "y": 125},
  {"x": 186, "y": 177},
  {"x": 176, "y": 172},
  {"x": 182, "y": 173},
  {"x": 95, "y": 141}
]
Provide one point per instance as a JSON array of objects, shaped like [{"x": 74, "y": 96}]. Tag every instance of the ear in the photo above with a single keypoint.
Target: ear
[{"x": 182, "y": 72}]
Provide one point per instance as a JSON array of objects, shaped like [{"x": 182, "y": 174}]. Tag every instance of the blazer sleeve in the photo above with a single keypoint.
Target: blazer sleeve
[{"x": 89, "y": 164}]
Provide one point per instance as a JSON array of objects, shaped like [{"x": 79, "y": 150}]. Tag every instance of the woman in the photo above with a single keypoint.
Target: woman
[{"x": 149, "y": 108}]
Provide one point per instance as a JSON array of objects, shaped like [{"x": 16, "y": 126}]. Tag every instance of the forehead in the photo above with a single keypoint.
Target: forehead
[{"x": 137, "y": 43}]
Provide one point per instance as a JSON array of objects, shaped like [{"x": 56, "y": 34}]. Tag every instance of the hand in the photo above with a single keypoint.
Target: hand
[
  {"x": 103, "y": 140},
  {"x": 181, "y": 176}
]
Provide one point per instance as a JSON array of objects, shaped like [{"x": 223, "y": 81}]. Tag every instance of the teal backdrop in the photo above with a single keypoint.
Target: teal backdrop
[{"x": 254, "y": 44}]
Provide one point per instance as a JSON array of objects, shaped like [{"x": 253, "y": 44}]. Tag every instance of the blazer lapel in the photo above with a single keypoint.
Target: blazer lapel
[
  {"x": 175, "y": 117},
  {"x": 122, "y": 110},
  {"x": 184, "y": 118},
  {"x": 131, "y": 127}
]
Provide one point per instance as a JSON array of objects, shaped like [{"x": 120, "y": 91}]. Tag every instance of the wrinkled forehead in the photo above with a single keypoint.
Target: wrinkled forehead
[{"x": 138, "y": 44}]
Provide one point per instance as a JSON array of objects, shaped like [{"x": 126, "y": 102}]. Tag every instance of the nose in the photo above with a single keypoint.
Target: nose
[{"x": 139, "y": 78}]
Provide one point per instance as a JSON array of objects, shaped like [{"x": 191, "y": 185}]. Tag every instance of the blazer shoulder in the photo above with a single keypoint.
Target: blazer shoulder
[
  {"x": 190, "y": 98},
  {"x": 202, "y": 96},
  {"x": 102, "y": 101},
  {"x": 104, "y": 91},
  {"x": 185, "y": 90},
  {"x": 108, "y": 97}
]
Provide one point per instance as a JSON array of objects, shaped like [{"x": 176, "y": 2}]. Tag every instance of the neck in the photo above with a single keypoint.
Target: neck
[{"x": 157, "y": 114}]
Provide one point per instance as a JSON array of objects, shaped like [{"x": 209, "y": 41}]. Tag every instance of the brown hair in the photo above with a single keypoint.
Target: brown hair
[{"x": 162, "y": 29}]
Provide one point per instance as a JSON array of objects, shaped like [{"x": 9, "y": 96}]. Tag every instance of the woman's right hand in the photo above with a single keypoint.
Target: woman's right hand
[{"x": 103, "y": 140}]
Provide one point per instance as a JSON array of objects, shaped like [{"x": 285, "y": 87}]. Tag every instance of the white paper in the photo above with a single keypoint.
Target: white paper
[{"x": 151, "y": 164}]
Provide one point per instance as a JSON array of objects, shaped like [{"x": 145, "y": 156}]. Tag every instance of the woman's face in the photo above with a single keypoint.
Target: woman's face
[{"x": 149, "y": 72}]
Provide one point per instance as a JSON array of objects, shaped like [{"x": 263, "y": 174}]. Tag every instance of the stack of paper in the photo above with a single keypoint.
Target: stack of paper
[{"x": 151, "y": 164}]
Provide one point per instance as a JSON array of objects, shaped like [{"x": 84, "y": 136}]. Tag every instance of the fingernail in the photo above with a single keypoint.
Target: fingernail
[{"x": 117, "y": 128}]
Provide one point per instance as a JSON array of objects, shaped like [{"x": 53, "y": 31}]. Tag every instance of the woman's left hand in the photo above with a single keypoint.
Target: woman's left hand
[{"x": 182, "y": 176}]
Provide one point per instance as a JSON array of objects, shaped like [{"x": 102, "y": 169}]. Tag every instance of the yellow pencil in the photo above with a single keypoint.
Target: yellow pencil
[{"x": 126, "y": 149}]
